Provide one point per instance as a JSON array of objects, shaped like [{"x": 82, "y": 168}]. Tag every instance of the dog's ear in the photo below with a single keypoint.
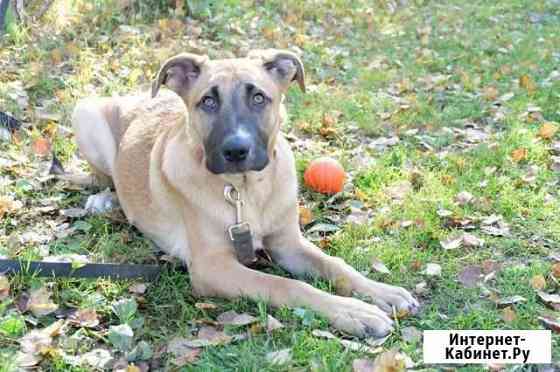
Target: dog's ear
[
  {"x": 283, "y": 65},
  {"x": 178, "y": 73}
]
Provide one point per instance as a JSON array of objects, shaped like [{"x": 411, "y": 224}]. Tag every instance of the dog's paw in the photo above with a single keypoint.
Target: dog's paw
[
  {"x": 358, "y": 318},
  {"x": 388, "y": 297}
]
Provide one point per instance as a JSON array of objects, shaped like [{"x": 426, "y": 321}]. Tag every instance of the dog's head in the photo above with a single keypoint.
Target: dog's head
[{"x": 233, "y": 104}]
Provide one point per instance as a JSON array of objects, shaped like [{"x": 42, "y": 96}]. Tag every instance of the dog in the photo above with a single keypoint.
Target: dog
[{"x": 202, "y": 169}]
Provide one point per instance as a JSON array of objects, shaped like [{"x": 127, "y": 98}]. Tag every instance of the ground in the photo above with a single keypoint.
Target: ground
[{"x": 444, "y": 114}]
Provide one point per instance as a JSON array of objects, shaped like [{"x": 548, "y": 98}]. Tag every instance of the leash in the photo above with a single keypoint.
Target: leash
[
  {"x": 239, "y": 233},
  {"x": 90, "y": 270}
]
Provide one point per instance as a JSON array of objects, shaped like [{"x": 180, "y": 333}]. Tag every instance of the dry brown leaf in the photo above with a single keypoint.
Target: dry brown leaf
[
  {"x": 392, "y": 361},
  {"x": 555, "y": 270},
  {"x": 183, "y": 354},
  {"x": 509, "y": 315},
  {"x": 87, "y": 318},
  {"x": 4, "y": 287},
  {"x": 526, "y": 82},
  {"x": 235, "y": 319},
  {"x": 547, "y": 130},
  {"x": 551, "y": 323},
  {"x": 519, "y": 154},
  {"x": 538, "y": 282},
  {"x": 470, "y": 276},
  {"x": 550, "y": 299},
  {"x": 40, "y": 302},
  {"x": 305, "y": 215},
  {"x": 41, "y": 146}
]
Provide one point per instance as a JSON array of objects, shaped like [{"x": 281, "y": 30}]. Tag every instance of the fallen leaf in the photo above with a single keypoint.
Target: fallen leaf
[
  {"x": 508, "y": 314},
  {"x": 97, "y": 358},
  {"x": 421, "y": 288},
  {"x": 555, "y": 270},
  {"x": 526, "y": 82},
  {"x": 452, "y": 242},
  {"x": 519, "y": 154},
  {"x": 235, "y": 319},
  {"x": 183, "y": 354},
  {"x": 432, "y": 269},
  {"x": 40, "y": 303},
  {"x": 464, "y": 198},
  {"x": 4, "y": 287},
  {"x": 470, "y": 240},
  {"x": 279, "y": 357},
  {"x": 550, "y": 323},
  {"x": 273, "y": 323},
  {"x": 121, "y": 337},
  {"x": 547, "y": 130},
  {"x": 392, "y": 361},
  {"x": 205, "y": 306},
  {"x": 378, "y": 266},
  {"x": 85, "y": 318},
  {"x": 41, "y": 146},
  {"x": 305, "y": 216},
  {"x": 209, "y": 336},
  {"x": 507, "y": 301},
  {"x": 551, "y": 300},
  {"x": 538, "y": 282},
  {"x": 470, "y": 276}
]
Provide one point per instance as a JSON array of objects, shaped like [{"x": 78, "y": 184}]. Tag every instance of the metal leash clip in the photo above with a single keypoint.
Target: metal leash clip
[{"x": 240, "y": 232}]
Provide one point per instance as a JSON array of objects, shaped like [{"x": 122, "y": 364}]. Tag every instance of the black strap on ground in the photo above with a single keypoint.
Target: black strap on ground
[
  {"x": 90, "y": 270},
  {"x": 3, "y": 10}
]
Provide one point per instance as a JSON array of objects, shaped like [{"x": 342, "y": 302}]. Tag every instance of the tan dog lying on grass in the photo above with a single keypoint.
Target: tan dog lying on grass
[{"x": 206, "y": 174}]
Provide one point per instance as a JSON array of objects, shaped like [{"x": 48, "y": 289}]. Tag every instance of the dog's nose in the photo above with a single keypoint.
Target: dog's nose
[{"x": 236, "y": 149}]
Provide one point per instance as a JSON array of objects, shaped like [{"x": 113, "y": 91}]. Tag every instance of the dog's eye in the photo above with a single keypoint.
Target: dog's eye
[
  {"x": 209, "y": 102},
  {"x": 258, "y": 99}
]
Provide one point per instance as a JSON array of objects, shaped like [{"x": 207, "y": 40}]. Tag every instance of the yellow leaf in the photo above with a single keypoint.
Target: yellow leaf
[
  {"x": 555, "y": 270},
  {"x": 41, "y": 146},
  {"x": 526, "y": 82},
  {"x": 56, "y": 56},
  {"x": 547, "y": 130},
  {"x": 519, "y": 154},
  {"x": 509, "y": 315},
  {"x": 538, "y": 282},
  {"x": 4, "y": 287},
  {"x": 305, "y": 215}
]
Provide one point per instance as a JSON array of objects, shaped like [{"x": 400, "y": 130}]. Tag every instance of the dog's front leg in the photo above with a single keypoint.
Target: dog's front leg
[
  {"x": 218, "y": 273},
  {"x": 299, "y": 256}
]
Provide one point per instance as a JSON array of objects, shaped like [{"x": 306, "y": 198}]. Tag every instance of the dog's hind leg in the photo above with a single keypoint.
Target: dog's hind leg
[{"x": 96, "y": 140}]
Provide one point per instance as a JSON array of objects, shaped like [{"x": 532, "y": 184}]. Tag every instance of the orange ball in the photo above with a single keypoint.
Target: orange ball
[{"x": 325, "y": 175}]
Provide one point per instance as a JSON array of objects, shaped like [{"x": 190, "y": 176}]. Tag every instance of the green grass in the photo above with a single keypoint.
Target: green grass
[{"x": 370, "y": 64}]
